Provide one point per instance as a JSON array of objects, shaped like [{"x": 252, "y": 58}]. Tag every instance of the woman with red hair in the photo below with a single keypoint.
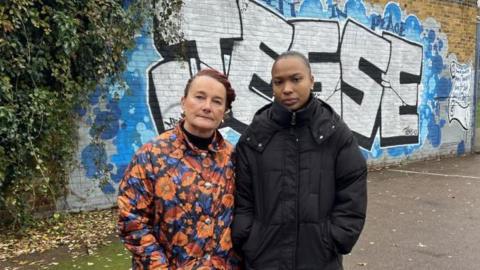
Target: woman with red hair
[{"x": 176, "y": 197}]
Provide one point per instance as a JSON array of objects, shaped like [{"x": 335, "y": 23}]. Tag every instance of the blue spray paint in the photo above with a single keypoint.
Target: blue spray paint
[
  {"x": 435, "y": 87},
  {"x": 94, "y": 159},
  {"x": 126, "y": 120},
  {"x": 390, "y": 21},
  {"x": 106, "y": 123},
  {"x": 311, "y": 8},
  {"x": 356, "y": 9},
  {"x": 461, "y": 148},
  {"x": 137, "y": 126}
]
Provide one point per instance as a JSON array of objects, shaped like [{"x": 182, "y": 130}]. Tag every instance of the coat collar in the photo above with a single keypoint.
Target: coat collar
[
  {"x": 317, "y": 115},
  {"x": 286, "y": 118}
]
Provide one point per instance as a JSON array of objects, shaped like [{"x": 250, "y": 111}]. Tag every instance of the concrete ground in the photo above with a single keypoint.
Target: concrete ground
[{"x": 424, "y": 215}]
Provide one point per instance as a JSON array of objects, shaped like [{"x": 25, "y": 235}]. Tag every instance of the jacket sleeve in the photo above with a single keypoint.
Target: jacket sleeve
[
  {"x": 349, "y": 210},
  {"x": 244, "y": 198},
  {"x": 136, "y": 211}
]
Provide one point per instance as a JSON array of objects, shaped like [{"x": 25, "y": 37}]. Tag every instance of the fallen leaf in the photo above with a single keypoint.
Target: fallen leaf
[{"x": 421, "y": 245}]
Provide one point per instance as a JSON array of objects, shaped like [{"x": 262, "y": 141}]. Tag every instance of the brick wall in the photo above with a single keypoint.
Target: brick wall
[{"x": 456, "y": 18}]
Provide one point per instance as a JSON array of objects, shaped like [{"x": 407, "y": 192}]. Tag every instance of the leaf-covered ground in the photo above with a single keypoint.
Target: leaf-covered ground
[{"x": 62, "y": 238}]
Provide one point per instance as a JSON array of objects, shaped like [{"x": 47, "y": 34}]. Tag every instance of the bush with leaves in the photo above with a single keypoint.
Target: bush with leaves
[{"x": 53, "y": 54}]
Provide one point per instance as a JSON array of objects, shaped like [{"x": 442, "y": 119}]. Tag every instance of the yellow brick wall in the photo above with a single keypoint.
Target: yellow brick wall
[{"x": 457, "y": 21}]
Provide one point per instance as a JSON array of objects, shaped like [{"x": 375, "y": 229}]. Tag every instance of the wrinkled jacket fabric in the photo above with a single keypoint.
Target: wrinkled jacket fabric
[
  {"x": 301, "y": 189},
  {"x": 176, "y": 204}
]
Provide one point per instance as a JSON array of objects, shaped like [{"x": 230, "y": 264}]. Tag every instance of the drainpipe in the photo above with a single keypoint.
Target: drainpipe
[{"x": 475, "y": 147}]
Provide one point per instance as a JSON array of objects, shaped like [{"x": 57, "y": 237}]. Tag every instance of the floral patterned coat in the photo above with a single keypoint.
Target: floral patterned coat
[{"x": 176, "y": 204}]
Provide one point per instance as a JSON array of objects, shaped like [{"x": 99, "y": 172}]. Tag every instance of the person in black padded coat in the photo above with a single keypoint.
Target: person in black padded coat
[{"x": 301, "y": 189}]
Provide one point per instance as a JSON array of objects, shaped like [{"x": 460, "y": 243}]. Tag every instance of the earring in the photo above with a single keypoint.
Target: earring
[{"x": 223, "y": 121}]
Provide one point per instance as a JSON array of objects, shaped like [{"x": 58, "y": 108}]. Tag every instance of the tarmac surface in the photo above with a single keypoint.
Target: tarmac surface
[{"x": 423, "y": 215}]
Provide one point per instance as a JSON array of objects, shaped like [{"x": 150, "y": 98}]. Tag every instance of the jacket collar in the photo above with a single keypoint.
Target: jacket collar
[
  {"x": 319, "y": 116},
  {"x": 286, "y": 118}
]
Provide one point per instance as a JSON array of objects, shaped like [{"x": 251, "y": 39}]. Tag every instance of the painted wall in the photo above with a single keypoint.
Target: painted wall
[{"x": 391, "y": 74}]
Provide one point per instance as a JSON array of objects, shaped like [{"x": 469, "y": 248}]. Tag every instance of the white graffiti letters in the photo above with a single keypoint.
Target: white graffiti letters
[
  {"x": 399, "y": 102},
  {"x": 365, "y": 57},
  {"x": 372, "y": 80}
]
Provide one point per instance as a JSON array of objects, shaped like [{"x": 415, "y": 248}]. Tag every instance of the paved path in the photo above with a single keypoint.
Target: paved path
[{"x": 424, "y": 215}]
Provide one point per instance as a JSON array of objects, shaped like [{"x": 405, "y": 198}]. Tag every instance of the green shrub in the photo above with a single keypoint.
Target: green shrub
[{"x": 53, "y": 54}]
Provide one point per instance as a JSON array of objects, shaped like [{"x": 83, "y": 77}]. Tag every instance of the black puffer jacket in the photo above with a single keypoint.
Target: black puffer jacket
[{"x": 301, "y": 189}]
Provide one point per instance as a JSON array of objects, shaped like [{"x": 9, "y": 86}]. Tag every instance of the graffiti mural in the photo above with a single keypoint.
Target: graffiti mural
[
  {"x": 379, "y": 84},
  {"x": 459, "y": 99},
  {"x": 388, "y": 74}
]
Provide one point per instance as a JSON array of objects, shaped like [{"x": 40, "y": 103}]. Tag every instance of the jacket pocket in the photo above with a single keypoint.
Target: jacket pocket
[
  {"x": 250, "y": 247},
  {"x": 327, "y": 241},
  {"x": 262, "y": 247},
  {"x": 314, "y": 250},
  {"x": 326, "y": 250}
]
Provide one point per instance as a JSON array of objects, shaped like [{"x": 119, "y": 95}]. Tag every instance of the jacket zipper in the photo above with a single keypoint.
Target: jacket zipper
[
  {"x": 293, "y": 122},
  {"x": 297, "y": 207}
]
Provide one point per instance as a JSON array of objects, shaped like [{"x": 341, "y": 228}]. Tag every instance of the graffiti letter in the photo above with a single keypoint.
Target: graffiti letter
[
  {"x": 400, "y": 98},
  {"x": 319, "y": 40},
  {"x": 253, "y": 57},
  {"x": 364, "y": 56}
]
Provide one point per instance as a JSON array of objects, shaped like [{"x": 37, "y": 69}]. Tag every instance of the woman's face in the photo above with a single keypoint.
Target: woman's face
[
  {"x": 204, "y": 106},
  {"x": 292, "y": 82}
]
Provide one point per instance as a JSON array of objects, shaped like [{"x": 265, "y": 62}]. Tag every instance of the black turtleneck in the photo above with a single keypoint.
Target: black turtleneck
[{"x": 201, "y": 143}]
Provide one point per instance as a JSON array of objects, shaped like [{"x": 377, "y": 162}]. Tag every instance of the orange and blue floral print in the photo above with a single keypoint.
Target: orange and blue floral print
[{"x": 176, "y": 205}]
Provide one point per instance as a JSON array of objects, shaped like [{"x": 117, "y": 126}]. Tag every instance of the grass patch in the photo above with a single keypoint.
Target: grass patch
[{"x": 112, "y": 256}]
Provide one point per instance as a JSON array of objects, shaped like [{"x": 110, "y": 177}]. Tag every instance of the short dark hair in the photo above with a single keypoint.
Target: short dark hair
[
  {"x": 294, "y": 54},
  {"x": 219, "y": 77}
]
